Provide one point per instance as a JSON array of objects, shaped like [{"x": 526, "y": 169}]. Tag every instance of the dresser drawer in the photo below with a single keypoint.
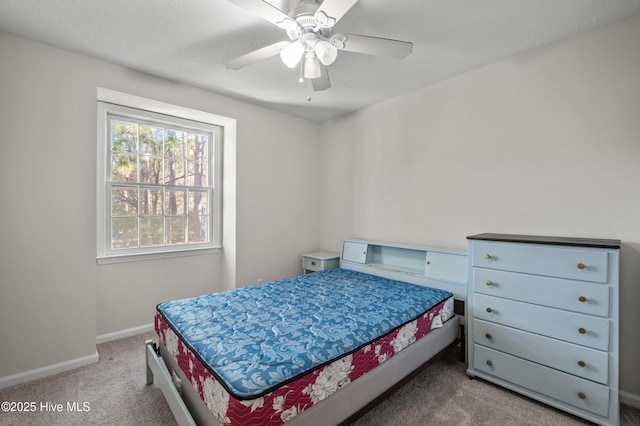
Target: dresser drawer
[
  {"x": 577, "y": 264},
  {"x": 574, "y": 359},
  {"x": 572, "y": 295},
  {"x": 585, "y": 394},
  {"x": 572, "y": 327}
]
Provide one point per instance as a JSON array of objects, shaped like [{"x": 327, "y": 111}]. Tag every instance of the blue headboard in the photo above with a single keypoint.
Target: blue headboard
[{"x": 432, "y": 267}]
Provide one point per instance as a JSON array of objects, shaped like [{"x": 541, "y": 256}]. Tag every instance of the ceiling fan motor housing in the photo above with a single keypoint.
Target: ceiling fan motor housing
[{"x": 305, "y": 15}]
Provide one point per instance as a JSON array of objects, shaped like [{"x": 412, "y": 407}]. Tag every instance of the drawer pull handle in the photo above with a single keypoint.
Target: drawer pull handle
[
  {"x": 582, "y": 266},
  {"x": 488, "y": 336},
  {"x": 487, "y": 256},
  {"x": 581, "y": 363},
  {"x": 489, "y": 310},
  {"x": 581, "y": 395},
  {"x": 489, "y": 363},
  {"x": 582, "y": 330},
  {"x": 488, "y": 282},
  {"x": 313, "y": 263},
  {"x": 582, "y": 299}
]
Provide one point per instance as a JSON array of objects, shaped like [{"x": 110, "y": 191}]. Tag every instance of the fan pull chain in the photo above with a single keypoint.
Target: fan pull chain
[{"x": 301, "y": 79}]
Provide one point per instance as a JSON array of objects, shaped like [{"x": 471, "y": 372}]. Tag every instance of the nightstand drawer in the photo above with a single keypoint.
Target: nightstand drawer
[
  {"x": 320, "y": 261},
  {"x": 576, "y": 264},
  {"x": 574, "y": 359},
  {"x": 578, "y": 296},
  {"x": 567, "y": 388},
  {"x": 572, "y": 327},
  {"x": 313, "y": 264}
]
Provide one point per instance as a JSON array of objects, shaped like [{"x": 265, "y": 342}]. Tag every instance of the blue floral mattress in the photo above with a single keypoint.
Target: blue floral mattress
[{"x": 257, "y": 338}]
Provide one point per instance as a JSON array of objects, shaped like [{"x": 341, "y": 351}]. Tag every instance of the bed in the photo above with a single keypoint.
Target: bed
[{"x": 320, "y": 348}]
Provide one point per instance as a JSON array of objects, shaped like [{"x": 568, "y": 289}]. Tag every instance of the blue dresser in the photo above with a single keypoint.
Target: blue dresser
[{"x": 542, "y": 320}]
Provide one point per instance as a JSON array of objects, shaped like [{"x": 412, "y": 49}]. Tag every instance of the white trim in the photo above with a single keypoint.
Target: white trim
[
  {"x": 135, "y": 257},
  {"x": 630, "y": 399},
  {"x": 119, "y": 98},
  {"x": 124, "y": 333},
  {"x": 49, "y": 370}
]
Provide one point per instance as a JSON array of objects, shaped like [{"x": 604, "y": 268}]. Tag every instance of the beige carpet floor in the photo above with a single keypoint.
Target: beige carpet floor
[{"x": 113, "y": 392}]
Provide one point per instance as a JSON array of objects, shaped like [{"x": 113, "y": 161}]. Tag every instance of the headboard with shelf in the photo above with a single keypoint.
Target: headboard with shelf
[{"x": 432, "y": 267}]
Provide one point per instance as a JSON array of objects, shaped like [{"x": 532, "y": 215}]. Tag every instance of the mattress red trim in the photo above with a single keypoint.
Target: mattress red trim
[{"x": 286, "y": 402}]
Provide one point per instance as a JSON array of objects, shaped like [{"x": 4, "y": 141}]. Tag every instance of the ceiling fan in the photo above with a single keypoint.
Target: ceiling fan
[{"x": 313, "y": 46}]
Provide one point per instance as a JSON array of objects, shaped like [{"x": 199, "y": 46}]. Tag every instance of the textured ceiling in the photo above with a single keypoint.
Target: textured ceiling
[{"x": 190, "y": 41}]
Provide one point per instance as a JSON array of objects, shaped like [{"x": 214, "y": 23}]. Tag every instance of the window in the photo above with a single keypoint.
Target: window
[{"x": 158, "y": 184}]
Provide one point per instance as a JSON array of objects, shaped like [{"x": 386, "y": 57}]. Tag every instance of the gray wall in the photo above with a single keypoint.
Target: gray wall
[
  {"x": 54, "y": 298},
  {"x": 545, "y": 143}
]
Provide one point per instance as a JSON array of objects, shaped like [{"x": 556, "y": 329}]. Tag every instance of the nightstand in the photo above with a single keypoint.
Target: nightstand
[{"x": 319, "y": 261}]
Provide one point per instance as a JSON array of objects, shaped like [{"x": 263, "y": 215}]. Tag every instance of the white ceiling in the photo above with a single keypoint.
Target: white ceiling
[{"x": 190, "y": 41}]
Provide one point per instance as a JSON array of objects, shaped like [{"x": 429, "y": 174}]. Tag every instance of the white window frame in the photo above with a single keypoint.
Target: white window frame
[{"x": 116, "y": 103}]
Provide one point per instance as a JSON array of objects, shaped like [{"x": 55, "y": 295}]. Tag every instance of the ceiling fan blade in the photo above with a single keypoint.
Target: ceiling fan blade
[
  {"x": 334, "y": 10},
  {"x": 376, "y": 46},
  {"x": 321, "y": 83},
  {"x": 256, "y": 55},
  {"x": 268, "y": 12}
]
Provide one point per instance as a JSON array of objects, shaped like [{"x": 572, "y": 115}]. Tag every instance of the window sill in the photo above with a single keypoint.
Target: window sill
[{"x": 139, "y": 257}]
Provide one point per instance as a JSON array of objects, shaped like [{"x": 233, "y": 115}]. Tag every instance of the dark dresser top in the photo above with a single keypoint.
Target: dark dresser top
[{"x": 537, "y": 239}]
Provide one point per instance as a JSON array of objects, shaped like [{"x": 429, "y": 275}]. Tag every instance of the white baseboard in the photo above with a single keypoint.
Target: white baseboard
[
  {"x": 49, "y": 370},
  {"x": 123, "y": 333},
  {"x": 628, "y": 398}
]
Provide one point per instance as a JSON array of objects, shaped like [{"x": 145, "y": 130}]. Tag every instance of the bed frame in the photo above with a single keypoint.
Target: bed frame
[{"x": 439, "y": 268}]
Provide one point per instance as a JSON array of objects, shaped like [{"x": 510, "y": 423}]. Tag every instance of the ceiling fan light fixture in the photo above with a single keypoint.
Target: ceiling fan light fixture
[
  {"x": 311, "y": 66},
  {"x": 325, "y": 52},
  {"x": 292, "y": 54}
]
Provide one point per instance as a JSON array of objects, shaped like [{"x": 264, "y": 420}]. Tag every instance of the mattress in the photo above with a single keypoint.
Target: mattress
[{"x": 265, "y": 353}]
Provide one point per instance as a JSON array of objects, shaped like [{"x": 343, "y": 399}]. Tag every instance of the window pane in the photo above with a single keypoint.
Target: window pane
[
  {"x": 176, "y": 202},
  {"x": 198, "y": 203},
  {"x": 151, "y": 202},
  {"x": 151, "y": 139},
  {"x": 197, "y": 147},
  {"x": 124, "y": 168},
  {"x": 176, "y": 227},
  {"x": 198, "y": 229},
  {"x": 124, "y": 232},
  {"x": 151, "y": 231},
  {"x": 174, "y": 172},
  {"x": 198, "y": 216},
  {"x": 174, "y": 155},
  {"x": 124, "y": 137},
  {"x": 124, "y": 202},
  {"x": 197, "y": 174},
  {"x": 174, "y": 143},
  {"x": 151, "y": 170}
]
